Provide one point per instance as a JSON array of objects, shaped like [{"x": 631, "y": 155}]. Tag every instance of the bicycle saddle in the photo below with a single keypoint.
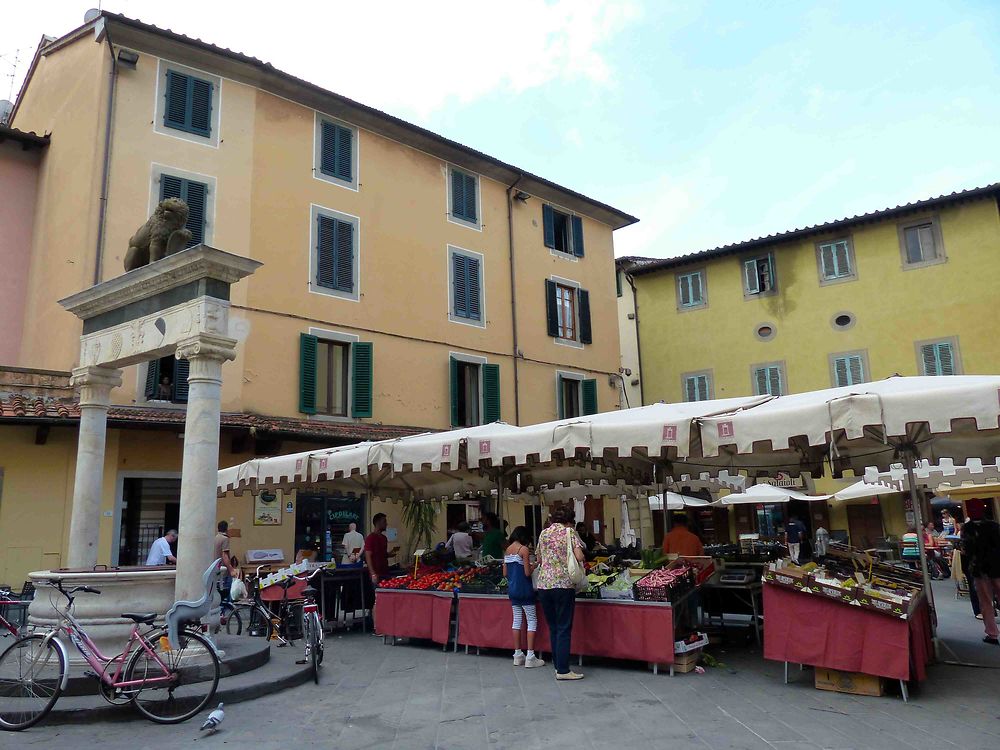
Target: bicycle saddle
[{"x": 144, "y": 618}]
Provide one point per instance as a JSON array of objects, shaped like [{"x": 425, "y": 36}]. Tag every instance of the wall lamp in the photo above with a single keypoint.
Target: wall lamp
[
  {"x": 128, "y": 59},
  {"x": 522, "y": 196}
]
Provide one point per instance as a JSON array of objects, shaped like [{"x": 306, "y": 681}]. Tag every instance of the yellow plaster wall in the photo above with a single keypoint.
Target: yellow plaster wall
[{"x": 894, "y": 309}]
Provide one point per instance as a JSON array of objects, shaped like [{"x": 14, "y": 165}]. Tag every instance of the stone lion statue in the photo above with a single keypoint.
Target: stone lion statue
[{"x": 163, "y": 234}]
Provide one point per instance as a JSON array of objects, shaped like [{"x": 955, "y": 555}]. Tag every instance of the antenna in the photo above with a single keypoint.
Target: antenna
[
  {"x": 5, "y": 108},
  {"x": 92, "y": 14}
]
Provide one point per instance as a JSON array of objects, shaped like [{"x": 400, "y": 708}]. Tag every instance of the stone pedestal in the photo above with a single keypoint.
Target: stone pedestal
[
  {"x": 121, "y": 591},
  {"x": 176, "y": 306}
]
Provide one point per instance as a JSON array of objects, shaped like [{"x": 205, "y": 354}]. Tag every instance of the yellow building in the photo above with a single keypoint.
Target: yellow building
[
  {"x": 908, "y": 290},
  {"x": 409, "y": 282}
]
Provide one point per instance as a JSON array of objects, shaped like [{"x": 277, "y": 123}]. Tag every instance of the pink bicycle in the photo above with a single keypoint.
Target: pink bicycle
[{"x": 169, "y": 673}]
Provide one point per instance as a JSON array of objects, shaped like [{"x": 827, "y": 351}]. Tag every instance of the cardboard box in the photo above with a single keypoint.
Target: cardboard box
[
  {"x": 680, "y": 647},
  {"x": 854, "y": 683},
  {"x": 788, "y": 576}
]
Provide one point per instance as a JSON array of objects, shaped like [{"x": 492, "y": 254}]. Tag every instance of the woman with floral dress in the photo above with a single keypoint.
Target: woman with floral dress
[{"x": 556, "y": 591}]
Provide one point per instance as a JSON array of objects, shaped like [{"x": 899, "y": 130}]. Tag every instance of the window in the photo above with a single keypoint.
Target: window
[
  {"x": 849, "y": 369},
  {"x": 335, "y": 376},
  {"x": 939, "y": 357},
  {"x": 697, "y": 386},
  {"x": 769, "y": 379},
  {"x": 618, "y": 282},
  {"x": 195, "y": 195},
  {"x": 920, "y": 242},
  {"x": 575, "y": 395},
  {"x": 836, "y": 260},
  {"x": 464, "y": 196},
  {"x": 167, "y": 380},
  {"x": 562, "y": 233},
  {"x": 336, "y": 155},
  {"x": 568, "y": 312},
  {"x": 758, "y": 275},
  {"x": 188, "y": 103},
  {"x": 335, "y": 254},
  {"x": 475, "y": 392},
  {"x": 466, "y": 271},
  {"x": 690, "y": 290}
]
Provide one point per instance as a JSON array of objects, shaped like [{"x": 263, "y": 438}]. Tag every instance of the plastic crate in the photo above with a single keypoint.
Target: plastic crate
[
  {"x": 607, "y": 593},
  {"x": 661, "y": 593}
]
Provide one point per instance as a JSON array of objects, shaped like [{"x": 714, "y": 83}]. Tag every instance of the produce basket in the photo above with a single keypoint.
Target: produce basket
[
  {"x": 645, "y": 591},
  {"x": 683, "y": 647}
]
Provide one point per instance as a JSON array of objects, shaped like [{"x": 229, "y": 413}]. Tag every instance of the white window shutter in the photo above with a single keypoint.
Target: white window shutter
[
  {"x": 829, "y": 262},
  {"x": 750, "y": 276},
  {"x": 696, "y": 288},
  {"x": 685, "y": 290},
  {"x": 856, "y": 367},
  {"x": 843, "y": 258}
]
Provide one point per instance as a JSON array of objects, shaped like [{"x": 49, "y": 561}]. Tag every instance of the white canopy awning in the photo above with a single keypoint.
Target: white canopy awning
[
  {"x": 766, "y": 494},
  {"x": 676, "y": 501},
  {"x": 862, "y": 489}
]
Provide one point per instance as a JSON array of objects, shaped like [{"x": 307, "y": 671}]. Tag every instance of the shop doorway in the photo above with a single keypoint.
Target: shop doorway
[
  {"x": 864, "y": 524},
  {"x": 150, "y": 506},
  {"x": 321, "y": 522},
  {"x": 533, "y": 520},
  {"x": 980, "y": 509}
]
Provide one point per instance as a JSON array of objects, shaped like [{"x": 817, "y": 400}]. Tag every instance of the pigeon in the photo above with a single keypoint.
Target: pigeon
[{"x": 214, "y": 719}]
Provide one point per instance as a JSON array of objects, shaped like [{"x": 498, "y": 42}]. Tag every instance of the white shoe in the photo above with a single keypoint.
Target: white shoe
[
  {"x": 569, "y": 676},
  {"x": 519, "y": 660},
  {"x": 533, "y": 661}
]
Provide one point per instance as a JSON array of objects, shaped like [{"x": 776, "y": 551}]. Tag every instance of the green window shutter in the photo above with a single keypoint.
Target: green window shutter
[
  {"x": 195, "y": 195},
  {"x": 560, "y": 409},
  {"x": 152, "y": 379},
  {"x": 470, "y": 210},
  {"x": 774, "y": 381},
  {"x": 946, "y": 359},
  {"x": 491, "y": 393},
  {"x": 939, "y": 359},
  {"x": 549, "y": 226},
  {"x": 767, "y": 381},
  {"x": 583, "y": 303},
  {"x": 362, "y": 370},
  {"x": 171, "y": 187},
  {"x": 200, "y": 121},
  {"x": 457, "y": 194},
  {"x": 175, "y": 112},
  {"x": 684, "y": 290},
  {"x": 551, "y": 309},
  {"x": 841, "y": 371},
  {"x": 328, "y": 149},
  {"x": 453, "y": 373},
  {"x": 307, "y": 373},
  {"x": 345, "y": 256},
  {"x": 181, "y": 370},
  {"x": 695, "y": 282},
  {"x": 460, "y": 289},
  {"x": 577, "y": 224},
  {"x": 588, "y": 390},
  {"x": 326, "y": 251},
  {"x": 345, "y": 154}
]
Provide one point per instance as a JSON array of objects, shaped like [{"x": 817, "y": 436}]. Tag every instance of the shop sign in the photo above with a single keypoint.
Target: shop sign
[
  {"x": 783, "y": 479},
  {"x": 267, "y": 508}
]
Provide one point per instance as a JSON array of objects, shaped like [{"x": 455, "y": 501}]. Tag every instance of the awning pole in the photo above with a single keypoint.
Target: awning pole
[{"x": 918, "y": 517}]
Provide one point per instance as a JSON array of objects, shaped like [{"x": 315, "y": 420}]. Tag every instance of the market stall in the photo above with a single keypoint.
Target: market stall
[
  {"x": 414, "y": 614},
  {"x": 849, "y": 613}
]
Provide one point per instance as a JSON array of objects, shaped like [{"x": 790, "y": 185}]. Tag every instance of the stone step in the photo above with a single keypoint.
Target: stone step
[{"x": 277, "y": 673}]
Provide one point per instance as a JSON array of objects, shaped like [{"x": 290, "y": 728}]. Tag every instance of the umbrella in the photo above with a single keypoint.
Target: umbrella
[
  {"x": 676, "y": 501},
  {"x": 944, "y": 502},
  {"x": 864, "y": 490},
  {"x": 766, "y": 494}
]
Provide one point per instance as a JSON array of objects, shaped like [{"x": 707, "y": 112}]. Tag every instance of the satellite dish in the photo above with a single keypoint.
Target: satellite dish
[
  {"x": 91, "y": 15},
  {"x": 5, "y": 108}
]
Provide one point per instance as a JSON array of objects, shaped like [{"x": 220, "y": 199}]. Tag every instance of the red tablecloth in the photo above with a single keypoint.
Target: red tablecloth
[
  {"x": 642, "y": 631},
  {"x": 414, "y": 614},
  {"x": 811, "y": 629}
]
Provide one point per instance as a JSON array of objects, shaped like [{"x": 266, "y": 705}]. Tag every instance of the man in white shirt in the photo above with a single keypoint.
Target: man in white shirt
[
  {"x": 461, "y": 542},
  {"x": 353, "y": 540},
  {"x": 160, "y": 553}
]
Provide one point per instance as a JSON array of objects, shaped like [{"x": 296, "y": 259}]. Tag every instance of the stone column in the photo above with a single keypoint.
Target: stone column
[
  {"x": 199, "y": 479},
  {"x": 85, "y": 523}
]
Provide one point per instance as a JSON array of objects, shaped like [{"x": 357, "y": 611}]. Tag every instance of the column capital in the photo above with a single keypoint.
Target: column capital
[
  {"x": 207, "y": 346},
  {"x": 95, "y": 384}
]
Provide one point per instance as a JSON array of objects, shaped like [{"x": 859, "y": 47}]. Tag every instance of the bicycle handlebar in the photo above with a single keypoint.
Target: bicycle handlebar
[{"x": 58, "y": 584}]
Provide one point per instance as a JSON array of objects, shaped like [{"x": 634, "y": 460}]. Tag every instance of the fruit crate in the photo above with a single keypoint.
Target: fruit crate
[{"x": 661, "y": 593}]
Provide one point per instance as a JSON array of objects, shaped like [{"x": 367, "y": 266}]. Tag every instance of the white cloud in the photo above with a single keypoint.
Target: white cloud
[
  {"x": 404, "y": 57},
  {"x": 574, "y": 137}
]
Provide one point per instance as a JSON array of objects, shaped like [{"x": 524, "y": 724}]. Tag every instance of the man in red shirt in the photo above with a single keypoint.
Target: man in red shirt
[
  {"x": 377, "y": 549},
  {"x": 681, "y": 541}
]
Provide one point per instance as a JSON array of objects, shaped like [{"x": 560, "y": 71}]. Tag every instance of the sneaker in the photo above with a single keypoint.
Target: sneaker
[
  {"x": 569, "y": 676},
  {"x": 991, "y": 641},
  {"x": 533, "y": 661},
  {"x": 519, "y": 660}
]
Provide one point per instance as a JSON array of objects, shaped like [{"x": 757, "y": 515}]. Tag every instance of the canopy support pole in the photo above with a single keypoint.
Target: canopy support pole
[{"x": 919, "y": 523}]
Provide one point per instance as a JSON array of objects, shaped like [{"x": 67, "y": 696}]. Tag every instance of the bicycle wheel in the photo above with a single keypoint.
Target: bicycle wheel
[
  {"x": 233, "y": 619},
  {"x": 32, "y": 671},
  {"x": 194, "y": 676},
  {"x": 319, "y": 638},
  {"x": 258, "y": 622},
  {"x": 312, "y": 652}
]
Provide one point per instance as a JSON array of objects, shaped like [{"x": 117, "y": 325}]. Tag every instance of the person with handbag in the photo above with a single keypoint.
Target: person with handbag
[
  {"x": 517, "y": 569},
  {"x": 560, "y": 571}
]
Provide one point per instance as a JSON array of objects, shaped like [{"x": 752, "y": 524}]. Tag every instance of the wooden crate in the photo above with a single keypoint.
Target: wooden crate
[
  {"x": 854, "y": 683},
  {"x": 686, "y": 662}
]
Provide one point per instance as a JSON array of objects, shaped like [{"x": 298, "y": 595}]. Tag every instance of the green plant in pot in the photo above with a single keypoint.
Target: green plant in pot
[{"x": 420, "y": 519}]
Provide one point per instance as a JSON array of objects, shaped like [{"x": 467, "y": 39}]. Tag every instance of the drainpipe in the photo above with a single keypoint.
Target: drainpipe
[
  {"x": 638, "y": 342},
  {"x": 106, "y": 169},
  {"x": 513, "y": 296}
]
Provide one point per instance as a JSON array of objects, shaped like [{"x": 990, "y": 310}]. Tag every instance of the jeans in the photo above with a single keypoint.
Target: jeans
[{"x": 558, "y": 606}]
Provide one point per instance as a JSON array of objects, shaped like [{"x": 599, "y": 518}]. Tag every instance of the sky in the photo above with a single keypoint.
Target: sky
[{"x": 712, "y": 122}]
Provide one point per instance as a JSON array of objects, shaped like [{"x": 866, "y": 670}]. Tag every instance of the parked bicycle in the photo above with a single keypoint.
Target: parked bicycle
[
  {"x": 312, "y": 626},
  {"x": 169, "y": 673}
]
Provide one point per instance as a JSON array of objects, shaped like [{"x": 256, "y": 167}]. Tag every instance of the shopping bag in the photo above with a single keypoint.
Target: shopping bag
[{"x": 577, "y": 573}]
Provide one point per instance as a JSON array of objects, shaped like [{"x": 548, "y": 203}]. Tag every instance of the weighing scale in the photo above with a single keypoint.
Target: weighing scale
[{"x": 736, "y": 576}]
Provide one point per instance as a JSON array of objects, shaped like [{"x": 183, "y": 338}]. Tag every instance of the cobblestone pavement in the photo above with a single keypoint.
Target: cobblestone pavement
[{"x": 376, "y": 696}]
